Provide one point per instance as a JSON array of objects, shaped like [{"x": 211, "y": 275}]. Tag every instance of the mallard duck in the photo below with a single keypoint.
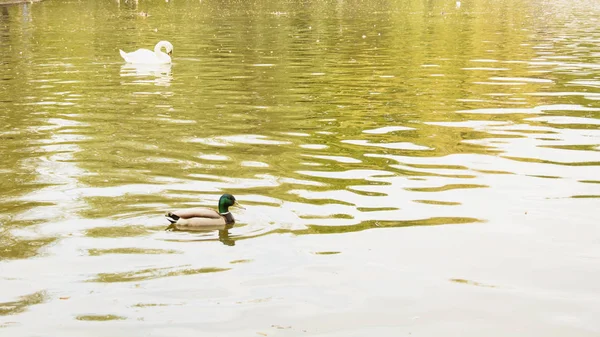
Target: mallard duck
[
  {"x": 145, "y": 56},
  {"x": 199, "y": 218}
]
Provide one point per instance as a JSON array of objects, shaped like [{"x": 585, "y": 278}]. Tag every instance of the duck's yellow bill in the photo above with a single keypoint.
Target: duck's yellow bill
[{"x": 237, "y": 204}]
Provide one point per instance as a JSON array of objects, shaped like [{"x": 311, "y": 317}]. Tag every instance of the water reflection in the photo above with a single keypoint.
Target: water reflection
[
  {"x": 387, "y": 131},
  {"x": 4, "y": 16},
  {"x": 152, "y": 273},
  {"x": 23, "y": 303},
  {"x": 207, "y": 233},
  {"x": 157, "y": 74}
]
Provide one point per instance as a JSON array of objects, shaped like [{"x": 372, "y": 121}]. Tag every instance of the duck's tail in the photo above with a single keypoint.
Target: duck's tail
[{"x": 172, "y": 217}]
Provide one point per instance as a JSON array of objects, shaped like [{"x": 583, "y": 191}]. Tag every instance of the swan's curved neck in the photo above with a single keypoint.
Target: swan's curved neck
[
  {"x": 163, "y": 57},
  {"x": 159, "y": 46}
]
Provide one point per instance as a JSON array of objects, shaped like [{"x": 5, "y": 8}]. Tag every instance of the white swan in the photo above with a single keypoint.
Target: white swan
[{"x": 146, "y": 56}]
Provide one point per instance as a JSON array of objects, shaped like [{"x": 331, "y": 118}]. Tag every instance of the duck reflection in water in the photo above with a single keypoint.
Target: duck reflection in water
[
  {"x": 223, "y": 232},
  {"x": 225, "y": 238}
]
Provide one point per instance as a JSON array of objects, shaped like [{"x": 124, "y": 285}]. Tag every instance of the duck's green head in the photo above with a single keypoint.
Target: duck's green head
[{"x": 227, "y": 200}]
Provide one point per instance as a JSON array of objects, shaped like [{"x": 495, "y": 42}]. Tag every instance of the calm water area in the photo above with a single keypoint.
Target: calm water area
[{"x": 407, "y": 167}]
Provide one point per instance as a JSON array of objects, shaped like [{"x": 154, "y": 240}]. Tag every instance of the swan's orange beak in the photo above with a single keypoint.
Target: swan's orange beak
[{"x": 169, "y": 53}]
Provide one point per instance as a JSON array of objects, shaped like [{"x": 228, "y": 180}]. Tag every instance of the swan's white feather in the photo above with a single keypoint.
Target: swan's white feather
[{"x": 145, "y": 56}]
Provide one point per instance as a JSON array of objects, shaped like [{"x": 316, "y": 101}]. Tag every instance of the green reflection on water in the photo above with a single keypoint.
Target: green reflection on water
[
  {"x": 542, "y": 161},
  {"x": 108, "y": 317},
  {"x": 438, "y": 202},
  {"x": 20, "y": 248},
  {"x": 131, "y": 250},
  {"x": 240, "y": 261},
  {"x": 327, "y": 253},
  {"x": 446, "y": 187},
  {"x": 463, "y": 281},
  {"x": 385, "y": 224},
  {"x": 376, "y": 209},
  {"x": 121, "y": 231},
  {"x": 573, "y": 147},
  {"x": 24, "y": 302},
  {"x": 152, "y": 273}
]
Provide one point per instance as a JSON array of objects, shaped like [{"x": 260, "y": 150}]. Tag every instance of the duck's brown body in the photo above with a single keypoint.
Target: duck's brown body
[{"x": 199, "y": 217}]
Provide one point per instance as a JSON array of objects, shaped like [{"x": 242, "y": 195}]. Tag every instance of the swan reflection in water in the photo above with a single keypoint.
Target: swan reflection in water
[{"x": 157, "y": 74}]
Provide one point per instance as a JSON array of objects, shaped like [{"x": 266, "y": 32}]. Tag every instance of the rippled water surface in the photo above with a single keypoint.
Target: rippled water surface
[{"x": 407, "y": 167}]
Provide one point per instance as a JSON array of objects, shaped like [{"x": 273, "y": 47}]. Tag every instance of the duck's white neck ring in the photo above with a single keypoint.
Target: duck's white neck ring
[{"x": 224, "y": 213}]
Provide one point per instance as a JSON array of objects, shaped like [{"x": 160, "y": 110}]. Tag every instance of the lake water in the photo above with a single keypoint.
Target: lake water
[{"x": 426, "y": 168}]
